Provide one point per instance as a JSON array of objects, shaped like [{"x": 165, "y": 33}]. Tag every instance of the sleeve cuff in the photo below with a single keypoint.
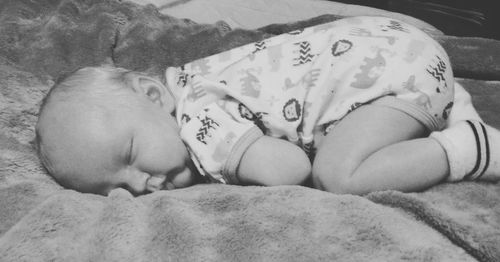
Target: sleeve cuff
[{"x": 240, "y": 147}]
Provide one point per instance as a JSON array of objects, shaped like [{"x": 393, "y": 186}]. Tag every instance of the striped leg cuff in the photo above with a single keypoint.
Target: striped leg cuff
[
  {"x": 482, "y": 149},
  {"x": 467, "y": 147}
]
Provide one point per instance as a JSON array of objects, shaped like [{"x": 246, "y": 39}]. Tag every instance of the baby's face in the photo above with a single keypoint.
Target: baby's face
[
  {"x": 146, "y": 155},
  {"x": 138, "y": 149}
]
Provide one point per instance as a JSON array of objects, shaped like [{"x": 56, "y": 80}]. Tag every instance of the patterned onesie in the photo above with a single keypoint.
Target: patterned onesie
[{"x": 296, "y": 86}]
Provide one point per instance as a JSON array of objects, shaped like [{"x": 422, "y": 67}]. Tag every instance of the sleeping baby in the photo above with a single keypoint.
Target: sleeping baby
[{"x": 357, "y": 105}]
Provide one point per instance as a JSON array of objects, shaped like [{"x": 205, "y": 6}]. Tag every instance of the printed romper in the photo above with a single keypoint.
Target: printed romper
[{"x": 295, "y": 86}]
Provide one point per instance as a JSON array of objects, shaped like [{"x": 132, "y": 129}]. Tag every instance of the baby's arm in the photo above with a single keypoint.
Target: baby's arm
[
  {"x": 233, "y": 151},
  {"x": 271, "y": 161}
]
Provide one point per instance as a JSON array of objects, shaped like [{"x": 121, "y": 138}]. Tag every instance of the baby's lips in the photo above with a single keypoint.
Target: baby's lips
[{"x": 155, "y": 183}]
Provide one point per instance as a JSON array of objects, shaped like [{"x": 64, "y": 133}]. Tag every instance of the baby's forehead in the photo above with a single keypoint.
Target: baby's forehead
[
  {"x": 68, "y": 118},
  {"x": 85, "y": 133}
]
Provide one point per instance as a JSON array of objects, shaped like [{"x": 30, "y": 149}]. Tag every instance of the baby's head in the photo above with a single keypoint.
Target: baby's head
[{"x": 102, "y": 128}]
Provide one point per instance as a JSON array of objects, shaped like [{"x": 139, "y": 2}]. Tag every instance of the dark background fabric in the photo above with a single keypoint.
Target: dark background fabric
[{"x": 454, "y": 17}]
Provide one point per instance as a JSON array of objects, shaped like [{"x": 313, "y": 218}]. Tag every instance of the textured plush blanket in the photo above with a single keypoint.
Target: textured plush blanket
[{"x": 40, "y": 221}]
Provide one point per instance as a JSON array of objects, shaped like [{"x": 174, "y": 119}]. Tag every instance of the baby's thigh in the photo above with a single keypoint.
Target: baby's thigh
[{"x": 358, "y": 135}]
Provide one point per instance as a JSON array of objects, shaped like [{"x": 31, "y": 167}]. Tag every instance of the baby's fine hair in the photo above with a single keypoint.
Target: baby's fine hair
[
  {"x": 83, "y": 82},
  {"x": 85, "y": 88}
]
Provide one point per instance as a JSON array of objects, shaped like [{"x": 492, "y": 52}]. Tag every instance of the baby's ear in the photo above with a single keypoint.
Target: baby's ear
[{"x": 155, "y": 91}]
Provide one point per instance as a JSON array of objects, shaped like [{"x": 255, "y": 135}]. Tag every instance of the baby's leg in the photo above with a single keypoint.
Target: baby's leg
[{"x": 378, "y": 148}]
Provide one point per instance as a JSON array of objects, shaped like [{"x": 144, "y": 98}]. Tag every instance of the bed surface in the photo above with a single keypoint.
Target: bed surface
[
  {"x": 41, "y": 221},
  {"x": 258, "y": 13}
]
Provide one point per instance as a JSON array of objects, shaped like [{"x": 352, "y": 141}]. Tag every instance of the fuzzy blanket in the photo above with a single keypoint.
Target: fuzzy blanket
[{"x": 40, "y": 221}]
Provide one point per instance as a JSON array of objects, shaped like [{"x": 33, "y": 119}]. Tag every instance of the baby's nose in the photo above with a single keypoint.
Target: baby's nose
[{"x": 156, "y": 183}]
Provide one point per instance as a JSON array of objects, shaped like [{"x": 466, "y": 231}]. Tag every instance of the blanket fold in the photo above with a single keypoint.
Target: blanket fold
[{"x": 39, "y": 221}]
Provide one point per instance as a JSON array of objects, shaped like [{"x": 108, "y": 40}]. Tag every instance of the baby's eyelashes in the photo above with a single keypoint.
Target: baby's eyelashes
[{"x": 130, "y": 153}]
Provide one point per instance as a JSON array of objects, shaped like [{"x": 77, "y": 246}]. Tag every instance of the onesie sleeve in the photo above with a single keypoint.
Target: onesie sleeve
[{"x": 217, "y": 142}]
